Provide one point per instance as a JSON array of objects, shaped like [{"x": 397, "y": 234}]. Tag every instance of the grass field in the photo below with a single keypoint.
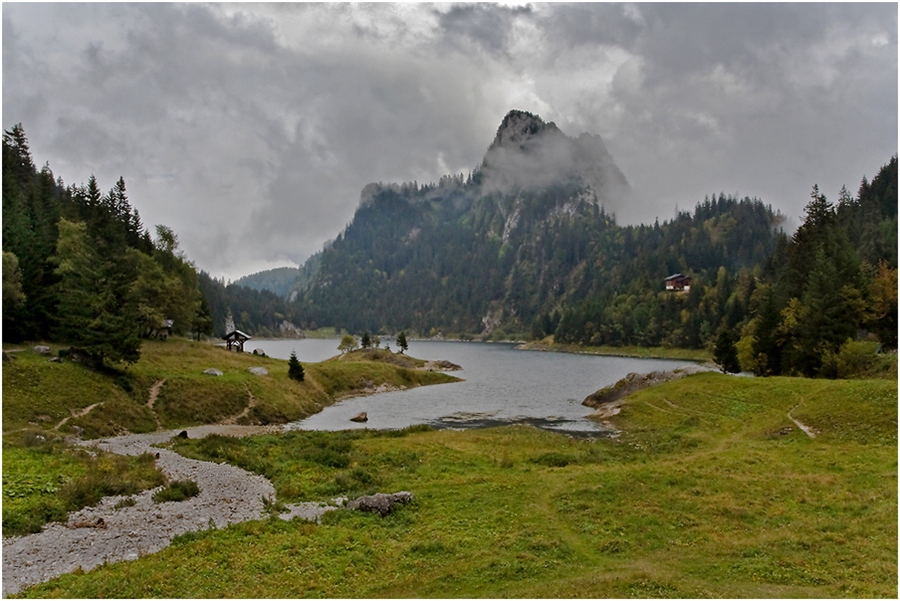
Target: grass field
[
  {"x": 44, "y": 477},
  {"x": 710, "y": 491}
]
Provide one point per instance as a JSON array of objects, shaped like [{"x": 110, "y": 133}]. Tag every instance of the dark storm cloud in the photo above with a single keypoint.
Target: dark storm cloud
[{"x": 251, "y": 129}]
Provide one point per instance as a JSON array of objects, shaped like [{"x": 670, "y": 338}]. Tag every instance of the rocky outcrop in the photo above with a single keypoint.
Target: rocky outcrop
[
  {"x": 361, "y": 417},
  {"x": 441, "y": 365},
  {"x": 381, "y": 503},
  {"x": 528, "y": 153},
  {"x": 607, "y": 401}
]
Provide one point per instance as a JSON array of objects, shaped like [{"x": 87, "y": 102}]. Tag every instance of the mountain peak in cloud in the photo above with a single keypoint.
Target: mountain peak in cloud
[{"x": 529, "y": 153}]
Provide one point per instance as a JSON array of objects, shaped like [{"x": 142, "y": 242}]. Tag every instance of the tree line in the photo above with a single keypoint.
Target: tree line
[{"x": 79, "y": 266}]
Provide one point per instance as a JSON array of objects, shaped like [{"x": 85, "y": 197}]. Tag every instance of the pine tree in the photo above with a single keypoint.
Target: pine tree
[
  {"x": 401, "y": 342},
  {"x": 96, "y": 313},
  {"x": 295, "y": 370},
  {"x": 725, "y": 354}
]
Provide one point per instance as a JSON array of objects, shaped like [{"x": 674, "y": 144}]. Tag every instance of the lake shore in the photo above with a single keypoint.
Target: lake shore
[{"x": 635, "y": 352}]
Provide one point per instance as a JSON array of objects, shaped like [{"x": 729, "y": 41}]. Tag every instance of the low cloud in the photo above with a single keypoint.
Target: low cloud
[{"x": 251, "y": 129}]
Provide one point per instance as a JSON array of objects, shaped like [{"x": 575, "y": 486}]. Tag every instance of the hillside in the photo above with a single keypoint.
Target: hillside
[
  {"x": 45, "y": 401},
  {"x": 526, "y": 236}
]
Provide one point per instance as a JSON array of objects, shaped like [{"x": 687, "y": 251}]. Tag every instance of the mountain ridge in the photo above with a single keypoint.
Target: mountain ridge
[{"x": 527, "y": 234}]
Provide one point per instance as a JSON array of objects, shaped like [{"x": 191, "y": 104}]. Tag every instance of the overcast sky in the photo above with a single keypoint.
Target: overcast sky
[{"x": 251, "y": 129}]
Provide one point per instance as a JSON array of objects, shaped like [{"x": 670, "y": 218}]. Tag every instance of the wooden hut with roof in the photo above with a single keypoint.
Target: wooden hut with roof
[{"x": 236, "y": 339}]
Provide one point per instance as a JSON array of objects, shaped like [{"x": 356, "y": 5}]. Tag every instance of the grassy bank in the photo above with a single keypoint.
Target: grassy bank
[
  {"x": 710, "y": 491},
  {"x": 44, "y": 477},
  {"x": 641, "y": 352}
]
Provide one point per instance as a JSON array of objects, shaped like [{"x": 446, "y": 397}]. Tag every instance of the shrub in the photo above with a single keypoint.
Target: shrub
[
  {"x": 180, "y": 490},
  {"x": 855, "y": 359}
]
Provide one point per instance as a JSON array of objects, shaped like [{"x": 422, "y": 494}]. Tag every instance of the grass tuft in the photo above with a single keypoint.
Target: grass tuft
[{"x": 179, "y": 490}]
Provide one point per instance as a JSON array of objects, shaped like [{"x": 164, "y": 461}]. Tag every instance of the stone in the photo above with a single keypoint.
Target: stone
[
  {"x": 362, "y": 417},
  {"x": 55, "y": 360},
  {"x": 259, "y": 371},
  {"x": 213, "y": 372},
  {"x": 259, "y": 351},
  {"x": 183, "y": 434},
  {"x": 381, "y": 503},
  {"x": 42, "y": 350}
]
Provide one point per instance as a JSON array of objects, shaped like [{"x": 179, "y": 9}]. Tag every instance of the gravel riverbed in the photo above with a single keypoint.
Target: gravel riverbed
[{"x": 102, "y": 534}]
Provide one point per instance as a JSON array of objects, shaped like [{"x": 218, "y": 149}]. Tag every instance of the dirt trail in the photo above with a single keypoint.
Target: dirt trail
[
  {"x": 154, "y": 394},
  {"x": 234, "y": 419},
  {"x": 809, "y": 431},
  {"x": 104, "y": 534},
  {"x": 81, "y": 413}
]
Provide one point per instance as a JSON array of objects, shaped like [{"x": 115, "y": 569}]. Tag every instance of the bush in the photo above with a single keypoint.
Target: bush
[
  {"x": 555, "y": 460},
  {"x": 856, "y": 359},
  {"x": 180, "y": 490}
]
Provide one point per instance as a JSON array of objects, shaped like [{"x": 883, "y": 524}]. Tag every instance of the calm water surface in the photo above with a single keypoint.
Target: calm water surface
[{"x": 501, "y": 386}]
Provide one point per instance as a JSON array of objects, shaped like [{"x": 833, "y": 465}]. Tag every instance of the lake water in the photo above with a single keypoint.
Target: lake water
[{"x": 501, "y": 385}]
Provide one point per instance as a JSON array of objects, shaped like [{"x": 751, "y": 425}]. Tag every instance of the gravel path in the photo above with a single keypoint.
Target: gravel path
[{"x": 102, "y": 534}]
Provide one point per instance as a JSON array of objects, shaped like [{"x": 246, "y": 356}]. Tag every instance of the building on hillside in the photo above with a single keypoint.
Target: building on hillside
[
  {"x": 162, "y": 331},
  {"x": 236, "y": 339},
  {"x": 166, "y": 329},
  {"x": 678, "y": 283}
]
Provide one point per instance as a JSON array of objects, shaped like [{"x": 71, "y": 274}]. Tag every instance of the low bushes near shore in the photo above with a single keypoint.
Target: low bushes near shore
[{"x": 710, "y": 491}]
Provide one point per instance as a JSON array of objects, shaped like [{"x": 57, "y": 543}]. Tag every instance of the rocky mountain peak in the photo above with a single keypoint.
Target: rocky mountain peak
[
  {"x": 529, "y": 153},
  {"x": 518, "y": 127}
]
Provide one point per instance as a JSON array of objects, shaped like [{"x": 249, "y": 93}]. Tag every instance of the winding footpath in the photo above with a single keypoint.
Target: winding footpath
[{"x": 103, "y": 534}]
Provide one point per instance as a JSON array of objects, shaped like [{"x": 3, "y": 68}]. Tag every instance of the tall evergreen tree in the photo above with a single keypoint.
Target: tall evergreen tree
[{"x": 295, "y": 369}]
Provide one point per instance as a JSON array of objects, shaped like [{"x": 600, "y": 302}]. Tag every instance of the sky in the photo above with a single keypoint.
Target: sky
[{"x": 251, "y": 129}]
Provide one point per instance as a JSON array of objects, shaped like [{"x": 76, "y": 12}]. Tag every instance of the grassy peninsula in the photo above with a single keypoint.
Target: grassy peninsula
[{"x": 711, "y": 490}]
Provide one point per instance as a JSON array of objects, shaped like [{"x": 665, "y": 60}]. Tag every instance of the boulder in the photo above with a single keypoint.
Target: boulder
[
  {"x": 362, "y": 417},
  {"x": 381, "y": 503},
  {"x": 213, "y": 372},
  {"x": 183, "y": 434},
  {"x": 259, "y": 371},
  {"x": 42, "y": 350}
]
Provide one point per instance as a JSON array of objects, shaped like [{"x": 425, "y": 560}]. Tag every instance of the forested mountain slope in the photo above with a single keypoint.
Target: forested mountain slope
[{"x": 523, "y": 240}]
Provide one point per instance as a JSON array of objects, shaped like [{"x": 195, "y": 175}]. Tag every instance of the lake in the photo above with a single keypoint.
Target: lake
[{"x": 501, "y": 386}]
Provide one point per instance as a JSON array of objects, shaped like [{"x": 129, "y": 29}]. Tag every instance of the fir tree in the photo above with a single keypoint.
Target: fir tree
[
  {"x": 295, "y": 370},
  {"x": 725, "y": 354}
]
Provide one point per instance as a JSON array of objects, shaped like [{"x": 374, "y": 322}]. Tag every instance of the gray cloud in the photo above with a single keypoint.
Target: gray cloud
[{"x": 251, "y": 129}]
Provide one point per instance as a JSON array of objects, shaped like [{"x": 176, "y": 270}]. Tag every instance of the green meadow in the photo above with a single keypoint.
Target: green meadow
[
  {"x": 44, "y": 477},
  {"x": 710, "y": 490}
]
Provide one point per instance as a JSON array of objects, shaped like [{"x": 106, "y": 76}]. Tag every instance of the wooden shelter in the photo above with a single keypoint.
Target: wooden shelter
[
  {"x": 678, "y": 283},
  {"x": 236, "y": 339}
]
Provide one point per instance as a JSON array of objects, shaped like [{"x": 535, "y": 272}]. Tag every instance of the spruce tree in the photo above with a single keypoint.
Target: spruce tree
[
  {"x": 401, "y": 342},
  {"x": 295, "y": 370},
  {"x": 725, "y": 354}
]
